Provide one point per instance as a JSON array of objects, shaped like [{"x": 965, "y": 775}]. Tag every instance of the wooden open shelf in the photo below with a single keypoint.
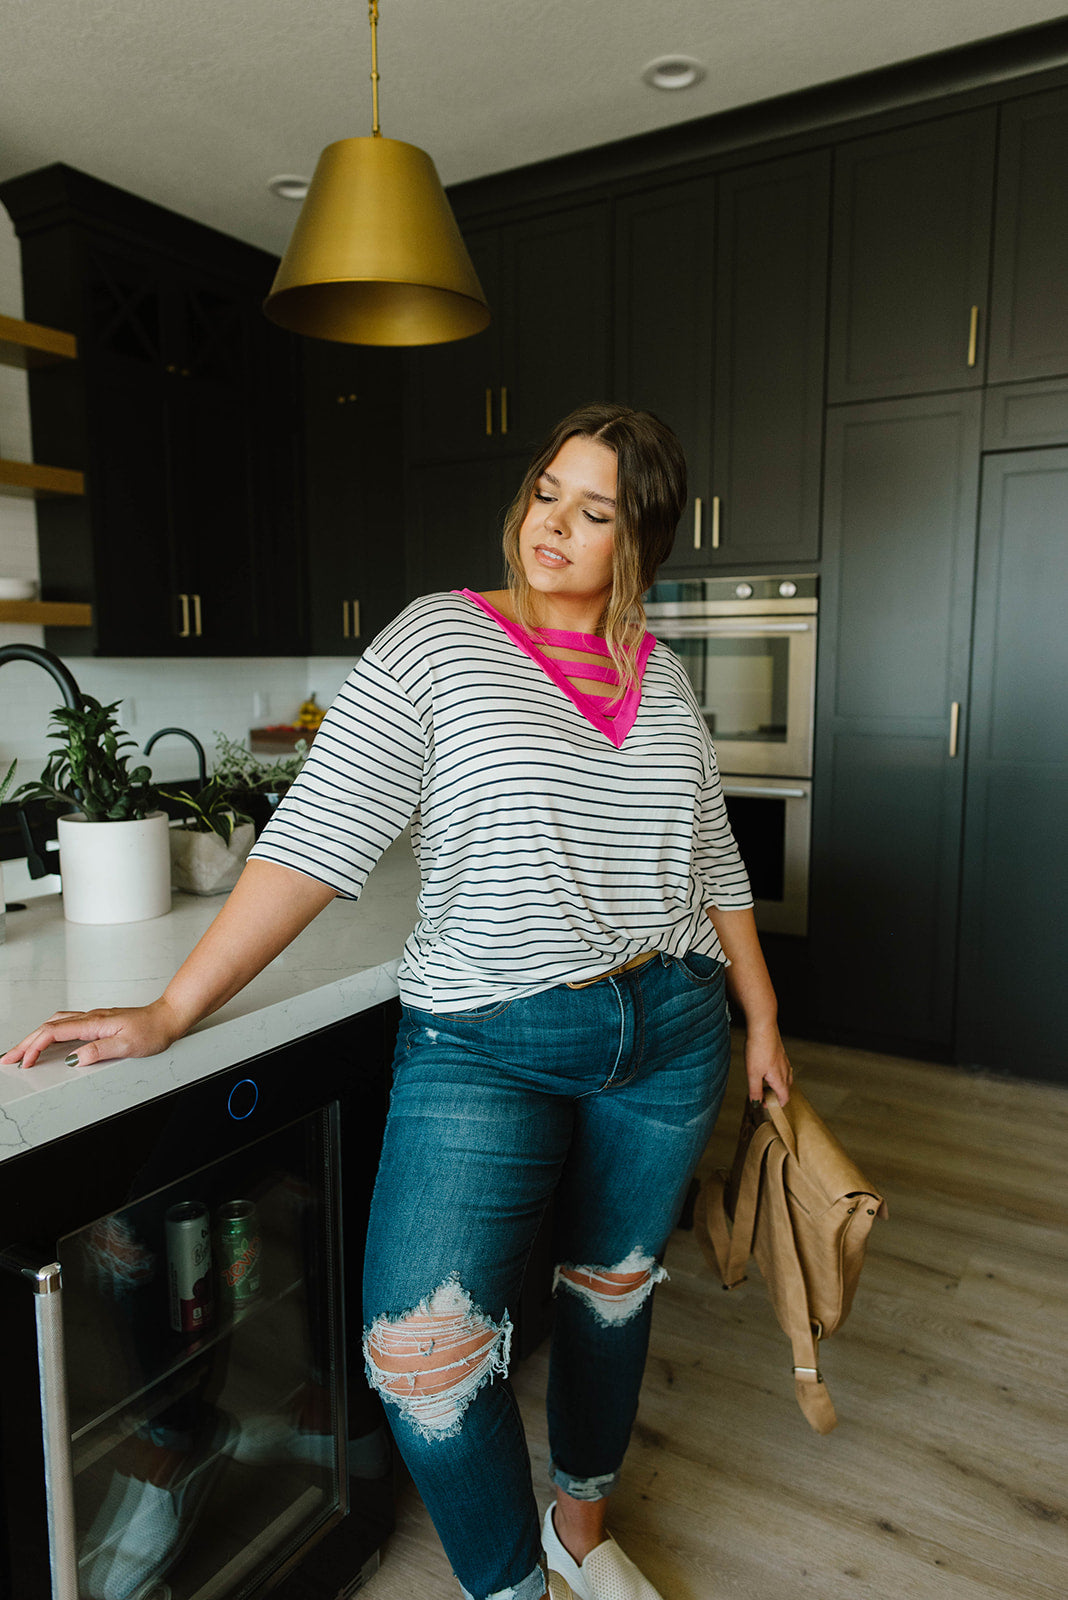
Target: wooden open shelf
[
  {"x": 27, "y": 479},
  {"x": 29, "y": 344},
  {"x": 47, "y": 613}
]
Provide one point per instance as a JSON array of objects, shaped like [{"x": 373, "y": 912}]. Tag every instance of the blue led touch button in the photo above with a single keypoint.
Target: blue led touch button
[{"x": 243, "y": 1100}]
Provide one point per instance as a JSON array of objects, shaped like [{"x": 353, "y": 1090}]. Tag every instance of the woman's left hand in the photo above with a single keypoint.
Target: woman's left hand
[{"x": 766, "y": 1063}]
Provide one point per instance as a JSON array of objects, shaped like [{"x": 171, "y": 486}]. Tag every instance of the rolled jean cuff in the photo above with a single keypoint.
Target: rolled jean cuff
[
  {"x": 583, "y": 1488},
  {"x": 532, "y": 1587}
]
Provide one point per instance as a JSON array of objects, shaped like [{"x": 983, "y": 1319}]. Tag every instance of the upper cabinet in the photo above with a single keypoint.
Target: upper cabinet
[
  {"x": 720, "y": 329},
  {"x": 547, "y": 347},
  {"x": 1029, "y": 318},
  {"x": 911, "y": 259},
  {"x": 181, "y": 412}
]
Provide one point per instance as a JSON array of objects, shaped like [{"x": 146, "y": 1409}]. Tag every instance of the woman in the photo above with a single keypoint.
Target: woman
[{"x": 565, "y": 1029}]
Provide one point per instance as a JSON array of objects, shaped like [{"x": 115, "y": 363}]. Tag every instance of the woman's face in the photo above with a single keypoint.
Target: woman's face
[{"x": 565, "y": 542}]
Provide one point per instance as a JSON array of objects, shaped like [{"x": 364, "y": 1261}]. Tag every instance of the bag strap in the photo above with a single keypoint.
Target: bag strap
[
  {"x": 804, "y": 1335},
  {"x": 732, "y": 1247}
]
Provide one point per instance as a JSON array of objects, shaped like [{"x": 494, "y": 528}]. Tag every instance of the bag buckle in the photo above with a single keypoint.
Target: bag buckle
[{"x": 809, "y": 1372}]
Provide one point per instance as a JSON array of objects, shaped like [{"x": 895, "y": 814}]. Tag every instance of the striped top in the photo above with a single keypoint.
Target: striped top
[{"x": 547, "y": 850}]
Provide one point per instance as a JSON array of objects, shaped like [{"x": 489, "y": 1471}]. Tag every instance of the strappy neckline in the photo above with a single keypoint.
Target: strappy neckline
[{"x": 615, "y": 725}]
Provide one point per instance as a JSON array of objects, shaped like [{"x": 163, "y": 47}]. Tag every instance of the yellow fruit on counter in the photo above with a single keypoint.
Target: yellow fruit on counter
[{"x": 310, "y": 714}]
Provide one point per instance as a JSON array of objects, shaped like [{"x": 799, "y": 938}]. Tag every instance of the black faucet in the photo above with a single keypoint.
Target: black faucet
[
  {"x": 72, "y": 696},
  {"x": 68, "y": 688},
  {"x": 193, "y": 740}
]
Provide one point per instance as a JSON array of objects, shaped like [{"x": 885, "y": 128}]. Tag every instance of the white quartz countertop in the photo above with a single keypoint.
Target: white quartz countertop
[{"x": 343, "y": 963}]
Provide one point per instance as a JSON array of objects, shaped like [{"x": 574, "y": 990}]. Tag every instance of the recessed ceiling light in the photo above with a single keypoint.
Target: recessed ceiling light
[
  {"x": 288, "y": 186},
  {"x": 673, "y": 72}
]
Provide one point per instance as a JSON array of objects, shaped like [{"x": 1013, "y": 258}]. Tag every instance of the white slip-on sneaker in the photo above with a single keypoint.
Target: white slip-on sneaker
[
  {"x": 559, "y": 1588},
  {"x": 606, "y": 1574}
]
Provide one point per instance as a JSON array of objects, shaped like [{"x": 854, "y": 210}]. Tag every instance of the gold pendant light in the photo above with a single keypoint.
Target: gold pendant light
[{"x": 376, "y": 256}]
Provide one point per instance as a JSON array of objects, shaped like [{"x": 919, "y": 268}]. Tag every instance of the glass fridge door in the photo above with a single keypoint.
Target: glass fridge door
[{"x": 206, "y": 1370}]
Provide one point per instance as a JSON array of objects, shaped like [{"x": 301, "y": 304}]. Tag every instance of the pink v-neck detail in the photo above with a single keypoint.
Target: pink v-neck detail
[{"x": 616, "y": 726}]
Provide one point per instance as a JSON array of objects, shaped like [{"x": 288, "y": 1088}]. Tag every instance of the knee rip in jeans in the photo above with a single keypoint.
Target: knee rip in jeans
[
  {"x": 432, "y": 1361},
  {"x": 614, "y": 1294}
]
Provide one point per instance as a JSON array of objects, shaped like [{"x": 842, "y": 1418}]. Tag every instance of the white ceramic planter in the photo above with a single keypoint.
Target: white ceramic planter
[
  {"x": 115, "y": 871},
  {"x": 202, "y": 864}
]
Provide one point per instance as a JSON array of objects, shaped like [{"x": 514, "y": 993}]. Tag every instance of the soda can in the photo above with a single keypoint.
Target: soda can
[
  {"x": 239, "y": 1249},
  {"x": 192, "y": 1300}
]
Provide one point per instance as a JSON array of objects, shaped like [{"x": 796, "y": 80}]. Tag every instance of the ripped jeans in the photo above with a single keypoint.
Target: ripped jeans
[{"x": 606, "y": 1095}]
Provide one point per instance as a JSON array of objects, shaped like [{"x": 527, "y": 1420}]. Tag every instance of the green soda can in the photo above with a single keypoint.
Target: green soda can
[{"x": 238, "y": 1252}]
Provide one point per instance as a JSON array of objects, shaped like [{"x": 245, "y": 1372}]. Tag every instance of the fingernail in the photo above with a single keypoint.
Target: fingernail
[{"x": 72, "y": 1059}]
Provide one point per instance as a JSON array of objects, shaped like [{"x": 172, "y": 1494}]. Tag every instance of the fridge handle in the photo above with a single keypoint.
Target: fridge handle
[{"x": 47, "y": 1285}]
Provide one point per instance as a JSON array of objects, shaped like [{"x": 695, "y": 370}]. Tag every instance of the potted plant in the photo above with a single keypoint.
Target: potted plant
[
  {"x": 210, "y": 845},
  {"x": 252, "y": 783},
  {"x": 5, "y": 785},
  {"x": 114, "y": 856}
]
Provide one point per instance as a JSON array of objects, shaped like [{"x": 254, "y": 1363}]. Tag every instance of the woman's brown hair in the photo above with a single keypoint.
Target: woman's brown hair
[{"x": 650, "y": 496}]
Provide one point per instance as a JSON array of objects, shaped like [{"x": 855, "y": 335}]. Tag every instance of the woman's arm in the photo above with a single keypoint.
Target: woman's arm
[
  {"x": 268, "y": 907},
  {"x": 749, "y": 985}
]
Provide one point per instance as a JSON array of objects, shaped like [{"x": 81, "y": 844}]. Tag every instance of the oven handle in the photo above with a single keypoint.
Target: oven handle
[
  {"x": 708, "y": 627},
  {"x": 766, "y": 791},
  {"x": 47, "y": 1284}
]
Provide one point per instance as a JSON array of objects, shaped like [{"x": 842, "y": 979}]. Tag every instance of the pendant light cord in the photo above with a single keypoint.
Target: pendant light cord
[{"x": 372, "y": 12}]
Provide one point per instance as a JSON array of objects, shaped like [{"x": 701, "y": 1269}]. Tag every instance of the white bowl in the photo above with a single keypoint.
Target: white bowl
[{"x": 18, "y": 589}]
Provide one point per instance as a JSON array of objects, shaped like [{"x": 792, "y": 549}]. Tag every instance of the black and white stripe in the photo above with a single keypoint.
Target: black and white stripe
[{"x": 545, "y": 853}]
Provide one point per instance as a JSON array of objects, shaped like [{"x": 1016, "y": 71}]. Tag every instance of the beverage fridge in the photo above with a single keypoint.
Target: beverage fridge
[{"x": 183, "y": 1414}]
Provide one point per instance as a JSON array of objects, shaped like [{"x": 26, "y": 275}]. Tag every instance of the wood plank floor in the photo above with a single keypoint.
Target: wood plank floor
[{"x": 947, "y": 1477}]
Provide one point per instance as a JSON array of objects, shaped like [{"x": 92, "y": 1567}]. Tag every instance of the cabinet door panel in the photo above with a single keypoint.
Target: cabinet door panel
[
  {"x": 911, "y": 257},
  {"x": 1029, "y": 310},
  {"x": 771, "y": 314},
  {"x": 449, "y": 381},
  {"x": 1014, "y": 926},
  {"x": 556, "y": 337},
  {"x": 665, "y": 269},
  {"x": 899, "y": 539},
  {"x": 354, "y": 493},
  {"x": 455, "y": 516}
]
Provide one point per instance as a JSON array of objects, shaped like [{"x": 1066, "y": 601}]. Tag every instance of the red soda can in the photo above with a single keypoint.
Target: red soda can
[{"x": 189, "y": 1267}]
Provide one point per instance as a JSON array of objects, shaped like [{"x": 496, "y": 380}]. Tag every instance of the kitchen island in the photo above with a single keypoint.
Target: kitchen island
[{"x": 344, "y": 963}]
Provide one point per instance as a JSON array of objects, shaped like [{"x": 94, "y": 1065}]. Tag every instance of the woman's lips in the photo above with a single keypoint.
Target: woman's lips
[{"x": 550, "y": 557}]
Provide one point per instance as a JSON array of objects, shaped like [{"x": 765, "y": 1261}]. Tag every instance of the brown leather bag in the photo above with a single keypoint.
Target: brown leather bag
[{"x": 804, "y": 1210}]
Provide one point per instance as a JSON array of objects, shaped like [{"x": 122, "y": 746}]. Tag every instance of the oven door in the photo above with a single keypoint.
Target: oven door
[
  {"x": 772, "y": 824},
  {"x": 754, "y": 678}
]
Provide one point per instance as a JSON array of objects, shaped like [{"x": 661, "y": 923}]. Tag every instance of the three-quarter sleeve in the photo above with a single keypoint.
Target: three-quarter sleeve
[
  {"x": 358, "y": 788},
  {"x": 717, "y": 858}
]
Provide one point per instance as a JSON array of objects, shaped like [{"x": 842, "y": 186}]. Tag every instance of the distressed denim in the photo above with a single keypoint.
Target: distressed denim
[{"x": 606, "y": 1096}]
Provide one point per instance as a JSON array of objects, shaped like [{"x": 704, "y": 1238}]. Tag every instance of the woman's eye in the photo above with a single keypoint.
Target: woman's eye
[
  {"x": 539, "y": 494},
  {"x": 598, "y": 520}
]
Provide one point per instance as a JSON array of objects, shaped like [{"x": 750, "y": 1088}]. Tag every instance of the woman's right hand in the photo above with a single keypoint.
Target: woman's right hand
[{"x": 110, "y": 1034}]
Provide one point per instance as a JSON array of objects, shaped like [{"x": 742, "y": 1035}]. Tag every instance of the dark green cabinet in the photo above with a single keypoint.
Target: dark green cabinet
[
  {"x": 1014, "y": 911},
  {"x": 1029, "y": 313},
  {"x": 895, "y": 620},
  {"x": 721, "y": 317},
  {"x": 182, "y": 411},
  {"x": 911, "y": 259},
  {"x": 455, "y": 516},
  {"x": 771, "y": 329},
  {"x": 546, "y": 350},
  {"x": 354, "y": 493}
]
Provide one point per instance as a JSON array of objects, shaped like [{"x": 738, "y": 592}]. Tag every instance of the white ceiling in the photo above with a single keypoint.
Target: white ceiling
[{"x": 196, "y": 103}]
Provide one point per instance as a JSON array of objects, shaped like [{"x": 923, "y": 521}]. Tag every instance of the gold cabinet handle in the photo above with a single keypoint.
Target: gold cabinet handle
[
  {"x": 344, "y": 619},
  {"x": 954, "y": 728},
  {"x": 183, "y": 631},
  {"x": 973, "y": 336},
  {"x": 196, "y": 616},
  {"x": 504, "y": 409},
  {"x": 715, "y": 522},
  {"x": 355, "y": 619},
  {"x": 489, "y": 413},
  {"x": 697, "y": 509}
]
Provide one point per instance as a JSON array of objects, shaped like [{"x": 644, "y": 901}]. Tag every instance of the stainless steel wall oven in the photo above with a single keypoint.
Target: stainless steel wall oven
[{"x": 749, "y": 649}]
